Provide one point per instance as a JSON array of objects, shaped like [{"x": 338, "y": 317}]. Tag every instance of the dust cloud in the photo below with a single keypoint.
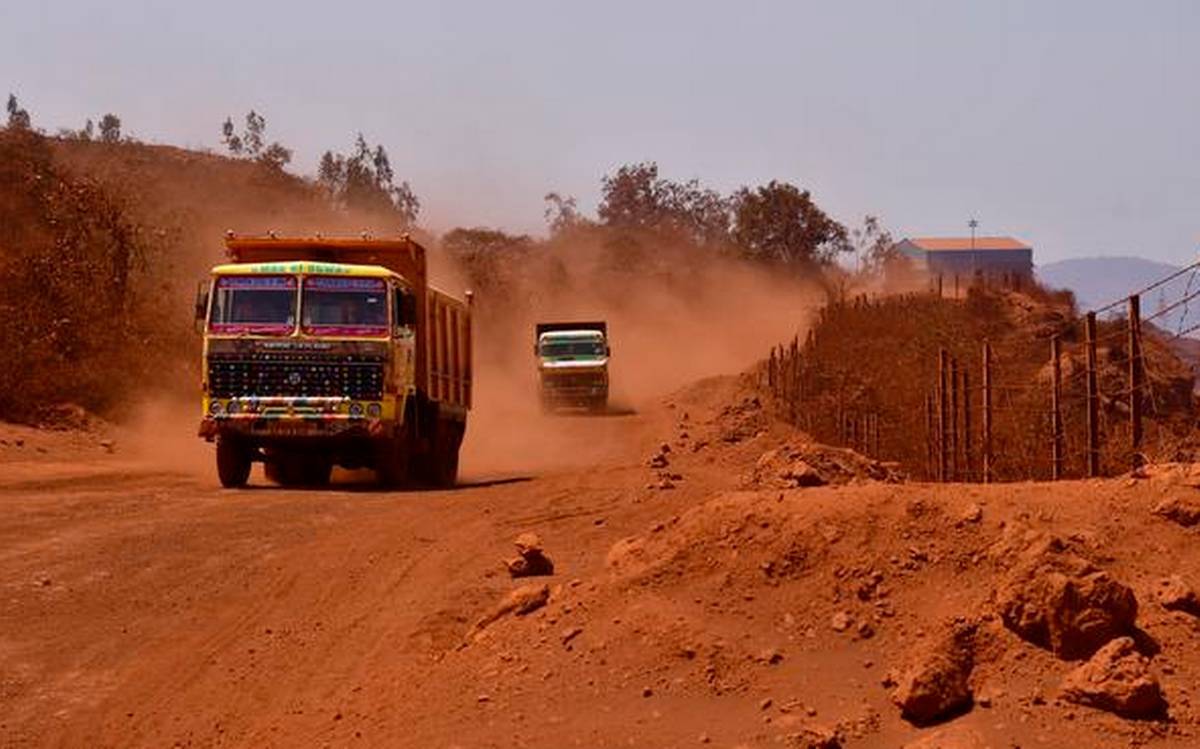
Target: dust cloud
[{"x": 687, "y": 315}]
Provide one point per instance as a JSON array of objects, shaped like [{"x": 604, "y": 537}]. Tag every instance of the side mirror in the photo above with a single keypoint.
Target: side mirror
[{"x": 201, "y": 310}]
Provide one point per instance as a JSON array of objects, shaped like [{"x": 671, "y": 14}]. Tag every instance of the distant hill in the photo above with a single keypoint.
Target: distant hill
[{"x": 1100, "y": 280}]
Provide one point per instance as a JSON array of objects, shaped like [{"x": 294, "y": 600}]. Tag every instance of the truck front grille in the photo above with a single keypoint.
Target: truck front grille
[
  {"x": 574, "y": 380},
  {"x": 295, "y": 375}
]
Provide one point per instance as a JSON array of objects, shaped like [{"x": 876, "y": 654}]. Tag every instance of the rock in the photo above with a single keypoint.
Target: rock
[
  {"x": 1182, "y": 510},
  {"x": 954, "y": 736},
  {"x": 936, "y": 686},
  {"x": 841, "y": 621},
  {"x": 523, "y": 600},
  {"x": 1175, "y": 595},
  {"x": 570, "y": 634},
  {"x": 532, "y": 561},
  {"x": 1064, "y": 603},
  {"x": 800, "y": 473},
  {"x": 972, "y": 514},
  {"x": 813, "y": 737},
  {"x": 658, "y": 461},
  {"x": 1117, "y": 679},
  {"x": 528, "y": 543}
]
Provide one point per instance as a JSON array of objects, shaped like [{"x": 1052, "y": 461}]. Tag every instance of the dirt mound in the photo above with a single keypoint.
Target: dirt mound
[{"x": 805, "y": 463}]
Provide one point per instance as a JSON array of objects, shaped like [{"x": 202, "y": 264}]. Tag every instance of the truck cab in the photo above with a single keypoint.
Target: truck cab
[
  {"x": 573, "y": 364},
  {"x": 323, "y": 352}
]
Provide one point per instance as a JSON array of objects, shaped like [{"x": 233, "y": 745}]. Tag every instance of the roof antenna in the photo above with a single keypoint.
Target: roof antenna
[{"x": 973, "y": 224}]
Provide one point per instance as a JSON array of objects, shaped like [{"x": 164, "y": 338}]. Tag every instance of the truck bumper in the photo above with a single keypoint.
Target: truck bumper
[{"x": 269, "y": 429}]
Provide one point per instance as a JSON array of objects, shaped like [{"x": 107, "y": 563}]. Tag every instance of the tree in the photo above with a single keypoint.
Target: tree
[
  {"x": 562, "y": 214},
  {"x": 780, "y": 223},
  {"x": 252, "y": 142},
  {"x": 635, "y": 197},
  {"x": 89, "y": 130},
  {"x": 873, "y": 245},
  {"x": 230, "y": 138},
  {"x": 487, "y": 256},
  {"x": 365, "y": 181},
  {"x": 110, "y": 128},
  {"x": 18, "y": 118}
]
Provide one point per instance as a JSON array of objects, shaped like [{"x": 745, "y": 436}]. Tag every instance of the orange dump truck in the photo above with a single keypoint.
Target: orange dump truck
[{"x": 333, "y": 351}]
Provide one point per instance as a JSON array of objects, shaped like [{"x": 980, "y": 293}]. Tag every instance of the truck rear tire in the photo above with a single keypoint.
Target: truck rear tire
[
  {"x": 442, "y": 467},
  {"x": 233, "y": 463}
]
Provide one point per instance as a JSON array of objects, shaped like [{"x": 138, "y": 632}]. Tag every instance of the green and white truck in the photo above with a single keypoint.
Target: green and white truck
[{"x": 573, "y": 364}]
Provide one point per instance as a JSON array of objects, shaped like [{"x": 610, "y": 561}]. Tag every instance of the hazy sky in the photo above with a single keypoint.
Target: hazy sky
[{"x": 1072, "y": 125}]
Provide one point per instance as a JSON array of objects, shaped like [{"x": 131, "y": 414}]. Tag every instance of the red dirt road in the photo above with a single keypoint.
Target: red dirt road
[{"x": 144, "y": 606}]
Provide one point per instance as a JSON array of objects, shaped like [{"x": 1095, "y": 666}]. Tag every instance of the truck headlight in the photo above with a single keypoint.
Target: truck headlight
[
  {"x": 215, "y": 408},
  {"x": 374, "y": 410},
  {"x": 356, "y": 410},
  {"x": 233, "y": 409}
]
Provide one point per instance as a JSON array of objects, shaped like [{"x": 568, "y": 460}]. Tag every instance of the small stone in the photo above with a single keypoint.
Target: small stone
[
  {"x": 1176, "y": 595},
  {"x": 972, "y": 514},
  {"x": 647, "y": 692},
  {"x": 766, "y": 703},
  {"x": 483, "y": 698},
  {"x": 841, "y": 621},
  {"x": 570, "y": 633}
]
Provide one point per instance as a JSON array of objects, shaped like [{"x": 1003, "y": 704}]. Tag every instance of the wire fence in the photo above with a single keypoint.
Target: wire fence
[{"x": 996, "y": 381}]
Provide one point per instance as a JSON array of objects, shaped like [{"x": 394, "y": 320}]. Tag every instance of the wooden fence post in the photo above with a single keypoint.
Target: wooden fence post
[
  {"x": 1136, "y": 378},
  {"x": 1056, "y": 420},
  {"x": 930, "y": 471},
  {"x": 1093, "y": 399},
  {"x": 968, "y": 474},
  {"x": 943, "y": 420},
  {"x": 953, "y": 419},
  {"x": 987, "y": 413}
]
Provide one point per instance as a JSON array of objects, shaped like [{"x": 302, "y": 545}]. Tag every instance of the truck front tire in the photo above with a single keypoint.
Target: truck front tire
[{"x": 233, "y": 463}]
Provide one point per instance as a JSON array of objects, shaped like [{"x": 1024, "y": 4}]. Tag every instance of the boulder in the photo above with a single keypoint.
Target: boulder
[
  {"x": 1063, "y": 602},
  {"x": 936, "y": 686},
  {"x": 1117, "y": 679}
]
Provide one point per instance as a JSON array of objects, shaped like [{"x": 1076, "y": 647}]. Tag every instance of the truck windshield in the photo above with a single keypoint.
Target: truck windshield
[
  {"x": 261, "y": 305},
  {"x": 335, "y": 306},
  {"x": 572, "y": 348}
]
